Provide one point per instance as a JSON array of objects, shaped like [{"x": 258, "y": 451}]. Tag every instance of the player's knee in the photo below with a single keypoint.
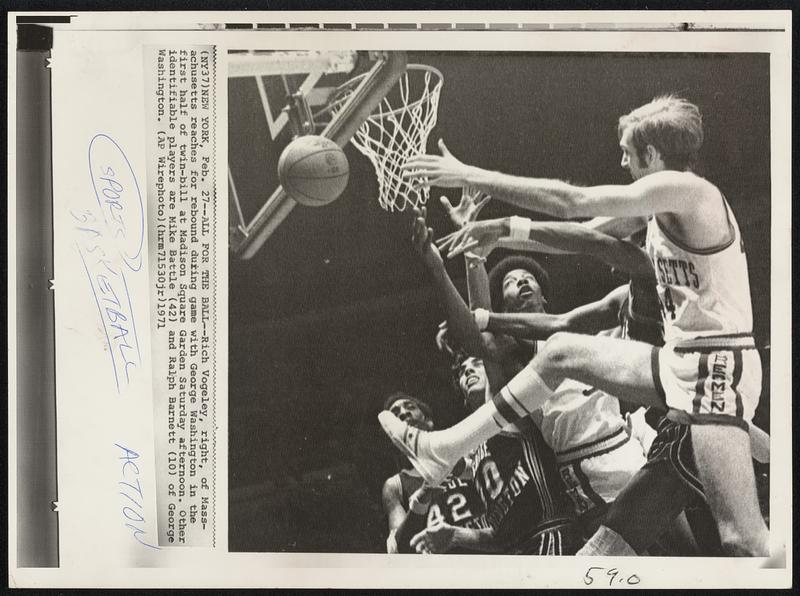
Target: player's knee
[
  {"x": 737, "y": 544},
  {"x": 560, "y": 352}
]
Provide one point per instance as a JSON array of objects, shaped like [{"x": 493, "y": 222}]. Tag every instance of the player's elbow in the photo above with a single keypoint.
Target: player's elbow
[
  {"x": 579, "y": 202},
  {"x": 560, "y": 324}
]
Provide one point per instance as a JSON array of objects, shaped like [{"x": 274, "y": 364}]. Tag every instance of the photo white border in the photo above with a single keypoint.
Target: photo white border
[{"x": 205, "y": 568}]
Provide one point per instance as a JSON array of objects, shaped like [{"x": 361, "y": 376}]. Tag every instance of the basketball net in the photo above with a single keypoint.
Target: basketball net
[{"x": 397, "y": 131}]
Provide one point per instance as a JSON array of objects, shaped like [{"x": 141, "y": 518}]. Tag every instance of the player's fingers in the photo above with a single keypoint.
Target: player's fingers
[
  {"x": 462, "y": 248},
  {"x": 452, "y": 241},
  {"x": 420, "y": 161},
  {"x": 445, "y": 241},
  {"x": 448, "y": 206},
  {"x": 485, "y": 199},
  {"x": 424, "y": 183},
  {"x": 458, "y": 237},
  {"x": 443, "y": 148},
  {"x": 417, "y": 539},
  {"x": 417, "y": 226}
]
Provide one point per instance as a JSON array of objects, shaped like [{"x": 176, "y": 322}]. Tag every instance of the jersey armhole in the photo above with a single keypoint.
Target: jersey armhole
[{"x": 703, "y": 251}]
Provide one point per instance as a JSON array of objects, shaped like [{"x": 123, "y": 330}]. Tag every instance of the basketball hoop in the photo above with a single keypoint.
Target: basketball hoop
[{"x": 397, "y": 131}]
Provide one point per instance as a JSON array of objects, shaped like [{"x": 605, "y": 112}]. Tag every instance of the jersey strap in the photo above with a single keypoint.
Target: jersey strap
[{"x": 712, "y": 249}]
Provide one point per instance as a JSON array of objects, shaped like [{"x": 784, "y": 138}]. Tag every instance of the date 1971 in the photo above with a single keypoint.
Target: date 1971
[{"x": 613, "y": 576}]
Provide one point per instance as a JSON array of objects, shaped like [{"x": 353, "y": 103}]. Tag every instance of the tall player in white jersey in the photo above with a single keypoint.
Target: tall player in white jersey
[{"x": 712, "y": 382}]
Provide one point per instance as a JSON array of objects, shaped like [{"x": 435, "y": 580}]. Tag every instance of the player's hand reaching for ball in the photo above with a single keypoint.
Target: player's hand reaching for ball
[
  {"x": 478, "y": 236},
  {"x": 439, "y": 170},
  {"x": 467, "y": 210},
  {"x": 438, "y": 538},
  {"x": 422, "y": 238}
]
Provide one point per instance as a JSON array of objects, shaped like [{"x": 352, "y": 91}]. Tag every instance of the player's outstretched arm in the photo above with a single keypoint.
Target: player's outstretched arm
[
  {"x": 665, "y": 191},
  {"x": 461, "y": 325},
  {"x": 587, "y": 319},
  {"x": 564, "y": 236},
  {"x": 391, "y": 496}
]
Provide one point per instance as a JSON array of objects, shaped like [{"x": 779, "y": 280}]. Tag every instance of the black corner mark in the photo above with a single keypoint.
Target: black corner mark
[
  {"x": 41, "y": 19},
  {"x": 32, "y": 37}
]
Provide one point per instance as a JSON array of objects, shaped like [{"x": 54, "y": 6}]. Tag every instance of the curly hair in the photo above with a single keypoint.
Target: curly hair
[
  {"x": 398, "y": 395},
  {"x": 671, "y": 124},
  {"x": 501, "y": 269}
]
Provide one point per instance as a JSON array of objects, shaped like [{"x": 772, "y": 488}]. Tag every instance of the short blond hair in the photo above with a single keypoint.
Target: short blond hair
[{"x": 672, "y": 125}]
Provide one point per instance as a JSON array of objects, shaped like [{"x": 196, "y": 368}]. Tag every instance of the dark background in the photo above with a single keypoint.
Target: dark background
[{"x": 335, "y": 312}]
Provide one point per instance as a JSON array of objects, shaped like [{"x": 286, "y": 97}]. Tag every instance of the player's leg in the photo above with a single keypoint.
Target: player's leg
[
  {"x": 642, "y": 512},
  {"x": 715, "y": 385},
  {"x": 724, "y": 463},
  {"x": 620, "y": 367}
]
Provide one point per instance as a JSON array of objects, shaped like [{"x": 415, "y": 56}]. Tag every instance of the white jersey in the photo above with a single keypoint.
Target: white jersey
[
  {"x": 703, "y": 292},
  {"x": 579, "y": 416}
]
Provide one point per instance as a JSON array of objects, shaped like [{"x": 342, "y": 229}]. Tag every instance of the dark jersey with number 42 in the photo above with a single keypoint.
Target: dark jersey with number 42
[{"x": 458, "y": 503}]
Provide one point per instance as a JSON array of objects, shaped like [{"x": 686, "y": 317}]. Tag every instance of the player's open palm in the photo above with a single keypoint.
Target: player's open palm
[
  {"x": 439, "y": 170},
  {"x": 468, "y": 208},
  {"x": 436, "y": 539}
]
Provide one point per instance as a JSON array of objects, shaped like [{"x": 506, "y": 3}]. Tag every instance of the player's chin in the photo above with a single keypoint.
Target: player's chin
[{"x": 530, "y": 303}]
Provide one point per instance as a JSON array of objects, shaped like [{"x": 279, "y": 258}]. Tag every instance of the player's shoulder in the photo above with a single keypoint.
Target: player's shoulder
[{"x": 684, "y": 181}]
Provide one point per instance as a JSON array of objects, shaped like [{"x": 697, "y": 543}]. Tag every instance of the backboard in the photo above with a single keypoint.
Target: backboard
[{"x": 276, "y": 95}]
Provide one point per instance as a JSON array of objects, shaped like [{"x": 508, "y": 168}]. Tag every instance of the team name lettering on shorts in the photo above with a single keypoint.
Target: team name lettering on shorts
[{"x": 718, "y": 382}]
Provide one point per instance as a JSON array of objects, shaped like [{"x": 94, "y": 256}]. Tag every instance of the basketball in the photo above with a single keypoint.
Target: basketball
[{"x": 313, "y": 170}]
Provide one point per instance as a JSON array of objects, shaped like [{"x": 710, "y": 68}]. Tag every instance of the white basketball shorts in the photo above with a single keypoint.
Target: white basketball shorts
[{"x": 712, "y": 380}]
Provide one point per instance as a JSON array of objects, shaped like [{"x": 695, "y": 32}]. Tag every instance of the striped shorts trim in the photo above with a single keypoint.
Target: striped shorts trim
[
  {"x": 556, "y": 538},
  {"x": 710, "y": 381}
]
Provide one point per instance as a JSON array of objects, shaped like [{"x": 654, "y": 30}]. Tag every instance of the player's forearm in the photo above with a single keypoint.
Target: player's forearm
[
  {"x": 525, "y": 325},
  {"x": 552, "y": 197},
  {"x": 460, "y": 322},
  {"x": 480, "y": 540},
  {"x": 574, "y": 237},
  {"x": 412, "y": 524},
  {"x": 477, "y": 283}
]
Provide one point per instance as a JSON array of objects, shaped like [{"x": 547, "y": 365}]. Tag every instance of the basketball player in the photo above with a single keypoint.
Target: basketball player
[
  {"x": 708, "y": 374},
  {"x": 516, "y": 477},
  {"x": 526, "y": 507},
  {"x": 585, "y": 429},
  {"x": 410, "y": 506},
  {"x": 672, "y": 460}
]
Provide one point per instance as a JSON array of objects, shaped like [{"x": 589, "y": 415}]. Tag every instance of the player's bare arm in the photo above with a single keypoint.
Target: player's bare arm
[
  {"x": 461, "y": 325},
  {"x": 565, "y": 236},
  {"x": 393, "y": 508},
  {"x": 443, "y": 537},
  {"x": 665, "y": 191},
  {"x": 587, "y": 319}
]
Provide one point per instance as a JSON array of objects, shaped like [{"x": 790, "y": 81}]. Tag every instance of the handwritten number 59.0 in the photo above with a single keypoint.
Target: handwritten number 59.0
[{"x": 613, "y": 577}]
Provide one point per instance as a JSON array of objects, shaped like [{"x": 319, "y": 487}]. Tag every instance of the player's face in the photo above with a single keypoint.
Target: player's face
[
  {"x": 521, "y": 292},
  {"x": 472, "y": 382},
  {"x": 408, "y": 411},
  {"x": 630, "y": 157}
]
